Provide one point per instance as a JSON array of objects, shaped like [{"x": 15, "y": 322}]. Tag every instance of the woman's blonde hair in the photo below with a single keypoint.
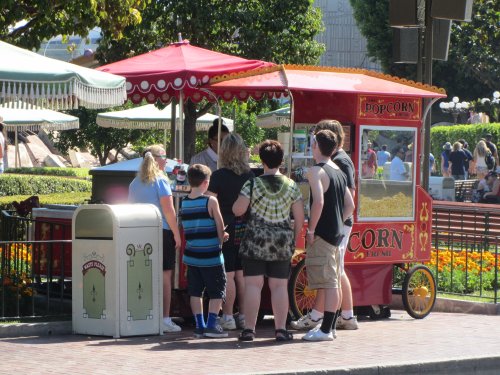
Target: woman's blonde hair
[
  {"x": 481, "y": 149},
  {"x": 150, "y": 170},
  {"x": 233, "y": 154}
]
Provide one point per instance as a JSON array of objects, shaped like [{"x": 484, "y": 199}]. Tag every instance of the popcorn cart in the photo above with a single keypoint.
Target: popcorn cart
[{"x": 392, "y": 220}]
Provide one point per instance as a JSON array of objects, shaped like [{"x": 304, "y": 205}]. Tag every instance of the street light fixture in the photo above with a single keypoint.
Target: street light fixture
[{"x": 455, "y": 107}]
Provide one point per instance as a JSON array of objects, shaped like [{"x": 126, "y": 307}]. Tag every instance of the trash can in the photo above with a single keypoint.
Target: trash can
[{"x": 117, "y": 270}]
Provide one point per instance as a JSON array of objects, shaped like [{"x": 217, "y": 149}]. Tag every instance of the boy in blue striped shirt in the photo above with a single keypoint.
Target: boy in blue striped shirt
[{"x": 204, "y": 232}]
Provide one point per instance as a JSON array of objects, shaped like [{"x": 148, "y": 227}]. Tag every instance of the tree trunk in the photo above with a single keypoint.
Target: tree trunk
[{"x": 190, "y": 116}]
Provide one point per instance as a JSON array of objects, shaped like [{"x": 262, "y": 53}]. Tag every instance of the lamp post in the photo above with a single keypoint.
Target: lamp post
[{"x": 454, "y": 108}]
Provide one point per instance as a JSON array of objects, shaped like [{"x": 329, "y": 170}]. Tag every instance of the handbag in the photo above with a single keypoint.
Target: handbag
[
  {"x": 240, "y": 222},
  {"x": 267, "y": 241}
]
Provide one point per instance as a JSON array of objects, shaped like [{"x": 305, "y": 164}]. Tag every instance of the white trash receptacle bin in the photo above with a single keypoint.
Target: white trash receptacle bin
[{"x": 117, "y": 270}]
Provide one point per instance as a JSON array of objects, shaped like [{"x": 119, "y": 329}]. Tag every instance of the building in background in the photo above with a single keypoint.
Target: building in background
[{"x": 345, "y": 46}]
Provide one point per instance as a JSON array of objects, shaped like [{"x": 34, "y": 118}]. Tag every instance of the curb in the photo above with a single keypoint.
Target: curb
[
  {"x": 453, "y": 306},
  {"x": 36, "y": 329},
  {"x": 466, "y": 366}
]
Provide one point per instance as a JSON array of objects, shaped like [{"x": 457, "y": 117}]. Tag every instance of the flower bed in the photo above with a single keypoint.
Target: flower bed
[
  {"x": 15, "y": 279},
  {"x": 465, "y": 271}
]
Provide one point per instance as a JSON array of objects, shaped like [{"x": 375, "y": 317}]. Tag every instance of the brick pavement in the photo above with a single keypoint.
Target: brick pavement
[{"x": 436, "y": 344}]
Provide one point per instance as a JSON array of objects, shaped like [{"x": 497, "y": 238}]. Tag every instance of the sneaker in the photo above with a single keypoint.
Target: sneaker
[
  {"x": 240, "y": 321},
  {"x": 171, "y": 327},
  {"x": 216, "y": 332},
  {"x": 228, "y": 325},
  {"x": 305, "y": 322},
  {"x": 316, "y": 334},
  {"x": 351, "y": 323},
  {"x": 198, "y": 333}
]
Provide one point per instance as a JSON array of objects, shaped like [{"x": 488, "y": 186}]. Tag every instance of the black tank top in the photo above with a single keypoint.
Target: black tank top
[{"x": 330, "y": 224}]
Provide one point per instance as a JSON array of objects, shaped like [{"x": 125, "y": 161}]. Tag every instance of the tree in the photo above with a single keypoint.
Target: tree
[
  {"x": 472, "y": 69},
  {"x": 42, "y": 19},
  {"x": 101, "y": 141},
  {"x": 281, "y": 31}
]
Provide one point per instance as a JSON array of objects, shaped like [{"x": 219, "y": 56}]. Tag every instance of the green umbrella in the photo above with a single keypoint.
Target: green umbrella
[
  {"x": 150, "y": 117},
  {"x": 34, "y": 119},
  {"x": 37, "y": 80},
  {"x": 279, "y": 117}
]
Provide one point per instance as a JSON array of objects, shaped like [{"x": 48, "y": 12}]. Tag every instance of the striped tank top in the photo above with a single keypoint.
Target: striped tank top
[{"x": 202, "y": 243}]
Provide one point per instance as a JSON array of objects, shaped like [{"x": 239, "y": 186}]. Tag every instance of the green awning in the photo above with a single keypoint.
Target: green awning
[{"x": 33, "y": 79}]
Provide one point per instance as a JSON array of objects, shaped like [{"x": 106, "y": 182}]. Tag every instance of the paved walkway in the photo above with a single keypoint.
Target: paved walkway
[{"x": 441, "y": 343}]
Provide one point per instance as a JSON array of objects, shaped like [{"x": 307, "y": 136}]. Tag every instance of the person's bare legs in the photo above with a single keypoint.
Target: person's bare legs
[
  {"x": 167, "y": 292},
  {"x": 253, "y": 288},
  {"x": 346, "y": 291},
  {"x": 228, "y": 306},
  {"x": 240, "y": 290},
  {"x": 279, "y": 301}
]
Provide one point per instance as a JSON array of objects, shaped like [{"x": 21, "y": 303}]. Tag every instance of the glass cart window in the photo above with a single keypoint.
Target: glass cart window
[{"x": 386, "y": 181}]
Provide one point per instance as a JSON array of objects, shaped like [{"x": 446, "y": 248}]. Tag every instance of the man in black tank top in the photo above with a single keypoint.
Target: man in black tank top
[
  {"x": 346, "y": 320},
  {"x": 331, "y": 204}
]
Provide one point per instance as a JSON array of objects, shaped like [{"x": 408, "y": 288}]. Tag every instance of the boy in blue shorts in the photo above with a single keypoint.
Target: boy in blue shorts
[{"x": 204, "y": 231}]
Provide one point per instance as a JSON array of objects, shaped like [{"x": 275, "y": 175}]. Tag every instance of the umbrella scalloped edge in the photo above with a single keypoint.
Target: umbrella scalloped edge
[{"x": 59, "y": 95}]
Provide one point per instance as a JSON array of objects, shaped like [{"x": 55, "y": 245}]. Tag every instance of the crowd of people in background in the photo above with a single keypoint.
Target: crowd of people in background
[{"x": 458, "y": 162}]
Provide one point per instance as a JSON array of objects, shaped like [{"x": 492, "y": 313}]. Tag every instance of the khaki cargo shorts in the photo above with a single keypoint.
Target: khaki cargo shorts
[{"x": 323, "y": 265}]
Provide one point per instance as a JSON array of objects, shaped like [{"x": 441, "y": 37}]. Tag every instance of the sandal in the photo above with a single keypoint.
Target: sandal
[
  {"x": 283, "y": 335},
  {"x": 247, "y": 335}
]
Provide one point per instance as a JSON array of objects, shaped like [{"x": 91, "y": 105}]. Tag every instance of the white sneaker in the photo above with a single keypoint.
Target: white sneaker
[
  {"x": 228, "y": 324},
  {"x": 350, "y": 324},
  {"x": 170, "y": 326},
  {"x": 316, "y": 334},
  {"x": 305, "y": 322}
]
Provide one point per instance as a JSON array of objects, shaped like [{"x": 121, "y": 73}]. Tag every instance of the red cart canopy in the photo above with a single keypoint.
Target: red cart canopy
[
  {"x": 296, "y": 78},
  {"x": 163, "y": 73}
]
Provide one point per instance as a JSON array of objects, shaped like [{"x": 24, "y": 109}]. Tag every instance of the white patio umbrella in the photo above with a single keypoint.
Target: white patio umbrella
[
  {"x": 35, "y": 119},
  {"x": 150, "y": 117},
  {"x": 279, "y": 117},
  {"x": 31, "y": 79}
]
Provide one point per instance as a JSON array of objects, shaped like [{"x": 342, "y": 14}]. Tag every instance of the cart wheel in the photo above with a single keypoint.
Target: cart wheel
[
  {"x": 301, "y": 297},
  {"x": 419, "y": 292}
]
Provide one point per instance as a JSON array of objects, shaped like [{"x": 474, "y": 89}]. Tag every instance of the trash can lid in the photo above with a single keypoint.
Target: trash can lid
[{"x": 122, "y": 215}]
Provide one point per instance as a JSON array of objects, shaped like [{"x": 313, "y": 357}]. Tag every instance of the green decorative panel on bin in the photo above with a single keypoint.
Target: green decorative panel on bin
[
  {"x": 139, "y": 282},
  {"x": 94, "y": 282}
]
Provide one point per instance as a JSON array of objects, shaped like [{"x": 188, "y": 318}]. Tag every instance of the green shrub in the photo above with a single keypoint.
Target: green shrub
[
  {"x": 75, "y": 198},
  {"x": 52, "y": 171},
  {"x": 37, "y": 185},
  {"x": 471, "y": 133}
]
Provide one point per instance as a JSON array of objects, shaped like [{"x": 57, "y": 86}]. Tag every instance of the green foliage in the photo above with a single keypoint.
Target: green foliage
[
  {"x": 73, "y": 198},
  {"x": 472, "y": 69},
  {"x": 275, "y": 30},
  {"x": 52, "y": 171},
  {"x": 471, "y": 133},
  {"x": 46, "y": 19},
  {"x": 34, "y": 185}
]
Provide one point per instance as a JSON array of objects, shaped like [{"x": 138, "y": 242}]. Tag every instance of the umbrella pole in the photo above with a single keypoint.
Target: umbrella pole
[
  {"x": 181, "y": 126},
  {"x": 292, "y": 128},
  {"x": 171, "y": 150},
  {"x": 219, "y": 113},
  {"x": 16, "y": 150}
]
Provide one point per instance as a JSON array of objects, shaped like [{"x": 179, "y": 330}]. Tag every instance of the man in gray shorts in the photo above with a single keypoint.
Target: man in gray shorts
[{"x": 331, "y": 204}]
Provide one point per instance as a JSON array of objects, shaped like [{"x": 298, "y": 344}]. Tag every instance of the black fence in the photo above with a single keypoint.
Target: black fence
[
  {"x": 35, "y": 267},
  {"x": 465, "y": 254},
  {"x": 35, "y": 259}
]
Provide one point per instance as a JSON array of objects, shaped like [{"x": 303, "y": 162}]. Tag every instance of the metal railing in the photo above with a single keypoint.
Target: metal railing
[
  {"x": 35, "y": 268},
  {"x": 465, "y": 250}
]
